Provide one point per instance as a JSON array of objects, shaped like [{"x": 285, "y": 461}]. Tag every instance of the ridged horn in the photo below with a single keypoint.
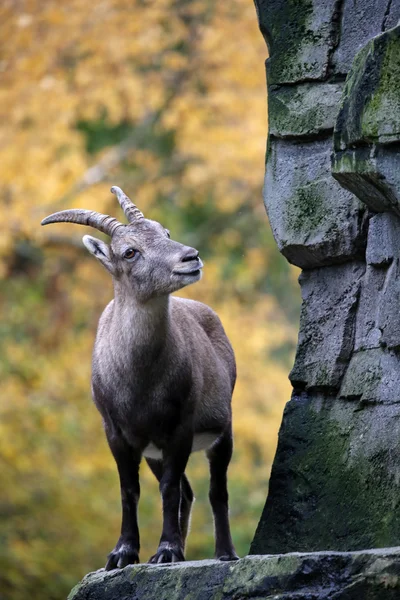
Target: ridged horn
[
  {"x": 131, "y": 211},
  {"x": 103, "y": 223}
]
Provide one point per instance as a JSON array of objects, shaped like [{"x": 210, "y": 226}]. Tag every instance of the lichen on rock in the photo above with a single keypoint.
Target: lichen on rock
[
  {"x": 367, "y": 131},
  {"x": 303, "y": 110},
  {"x": 315, "y": 222},
  {"x": 297, "y": 33},
  {"x": 335, "y": 479}
]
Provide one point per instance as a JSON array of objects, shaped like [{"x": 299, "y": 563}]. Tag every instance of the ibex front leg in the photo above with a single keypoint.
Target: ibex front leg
[
  {"x": 171, "y": 544},
  {"x": 126, "y": 552},
  {"x": 219, "y": 457},
  {"x": 187, "y": 497}
]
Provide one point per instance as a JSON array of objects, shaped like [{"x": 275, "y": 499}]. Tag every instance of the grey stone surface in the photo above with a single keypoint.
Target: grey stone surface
[
  {"x": 389, "y": 314},
  {"x": 361, "y": 20},
  {"x": 314, "y": 220},
  {"x": 378, "y": 314},
  {"x": 370, "y": 108},
  {"x": 383, "y": 240},
  {"x": 367, "y": 131},
  {"x": 372, "y": 376},
  {"x": 392, "y": 16},
  {"x": 335, "y": 481},
  {"x": 327, "y": 326},
  {"x": 303, "y": 110},
  {"x": 368, "y": 334},
  {"x": 335, "y": 478},
  {"x": 373, "y": 574},
  {"x": 300, "y": 36}
]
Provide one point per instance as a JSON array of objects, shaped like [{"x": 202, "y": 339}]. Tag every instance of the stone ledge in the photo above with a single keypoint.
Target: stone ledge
[{"x": 372, "y": 574}]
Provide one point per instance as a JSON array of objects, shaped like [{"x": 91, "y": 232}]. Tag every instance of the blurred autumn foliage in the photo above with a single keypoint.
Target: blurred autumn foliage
[{"x": 167, "y": 100}]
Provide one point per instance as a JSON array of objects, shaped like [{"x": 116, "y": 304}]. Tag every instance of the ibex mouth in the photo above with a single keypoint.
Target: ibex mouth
[{"x": 194, "y": 271}]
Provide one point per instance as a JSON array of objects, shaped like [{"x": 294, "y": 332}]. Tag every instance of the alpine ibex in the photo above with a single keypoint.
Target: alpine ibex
[{"x": 163, "y": 376}]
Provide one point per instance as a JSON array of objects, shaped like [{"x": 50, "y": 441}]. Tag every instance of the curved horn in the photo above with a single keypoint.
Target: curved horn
[
  {"x": 131, "y": 211},
  {"x": 103, "y": 223}
]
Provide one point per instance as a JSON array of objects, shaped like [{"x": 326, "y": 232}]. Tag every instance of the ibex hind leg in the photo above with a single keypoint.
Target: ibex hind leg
[
  {"x": 219, "y": 456},
  {"x": 185, "y": 509},
  {"x": 186, "y": 501}
]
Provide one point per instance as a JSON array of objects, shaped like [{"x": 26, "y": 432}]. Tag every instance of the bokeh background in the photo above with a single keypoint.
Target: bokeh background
[{"x": 166, "y": 99}]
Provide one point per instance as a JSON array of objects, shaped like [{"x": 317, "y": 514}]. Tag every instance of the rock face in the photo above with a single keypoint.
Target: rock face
[
  {"x": 332, "y": 193},
  {"x": 367, "y": 132},
  {"x": 314, "y": 220},
  {"x": 323, "y": 575}
]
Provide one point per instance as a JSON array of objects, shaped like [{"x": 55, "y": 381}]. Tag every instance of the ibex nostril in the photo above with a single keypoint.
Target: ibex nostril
[{"x": 191, "y": 254}]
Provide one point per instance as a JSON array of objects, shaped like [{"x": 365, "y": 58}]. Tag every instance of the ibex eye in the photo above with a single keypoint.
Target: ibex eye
[
  {"x": 130, "y": 253},
  {"x": 167, "y": 232}
]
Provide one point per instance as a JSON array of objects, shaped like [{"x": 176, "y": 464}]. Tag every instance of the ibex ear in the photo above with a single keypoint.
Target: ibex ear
[{"x": 100, "y": 250}]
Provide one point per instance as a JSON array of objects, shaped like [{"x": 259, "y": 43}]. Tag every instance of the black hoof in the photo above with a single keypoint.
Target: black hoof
[
  {"x": 121, "y": 557},
  {"x": 167, "y": 554},
  {"x": 228, "y": 556}
]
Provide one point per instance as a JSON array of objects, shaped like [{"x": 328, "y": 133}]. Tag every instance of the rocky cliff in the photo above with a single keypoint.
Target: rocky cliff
[{"x": 331, "y": 191}]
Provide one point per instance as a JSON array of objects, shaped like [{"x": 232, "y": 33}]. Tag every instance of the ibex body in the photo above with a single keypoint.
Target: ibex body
[{"x": 163, "y": 377}]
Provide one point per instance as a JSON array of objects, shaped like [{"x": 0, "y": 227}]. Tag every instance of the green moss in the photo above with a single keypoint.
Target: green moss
[
  {"x": 253, "y": 575},
  {"x": 381, "y": 116},
  {"x": 343, "y": 162},
  {"x": 354, "y": 161},
  {"x": 364, "y": 375},
  {"x": 306, "y": 210},
  {"x": 278, "y": 113},
  {"x": 370, "y": 107},
  {"x": 332, "y": 485},
  {"x": 301, "y": 110},
  {"x": 348, "y": 120},
  {"x": 74, "y": 591},
  {"x": 285, "y": 25}
]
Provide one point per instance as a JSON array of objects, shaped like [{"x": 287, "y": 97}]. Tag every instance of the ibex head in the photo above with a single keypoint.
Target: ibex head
[{"x": 141, "y": 255}]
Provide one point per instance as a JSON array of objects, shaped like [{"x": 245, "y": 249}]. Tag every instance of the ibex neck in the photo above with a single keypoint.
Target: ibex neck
[{"x": 141, "y": 326}]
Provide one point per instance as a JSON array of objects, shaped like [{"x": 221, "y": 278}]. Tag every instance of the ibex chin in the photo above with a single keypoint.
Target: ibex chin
[{"x": 163, "y": 376}]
